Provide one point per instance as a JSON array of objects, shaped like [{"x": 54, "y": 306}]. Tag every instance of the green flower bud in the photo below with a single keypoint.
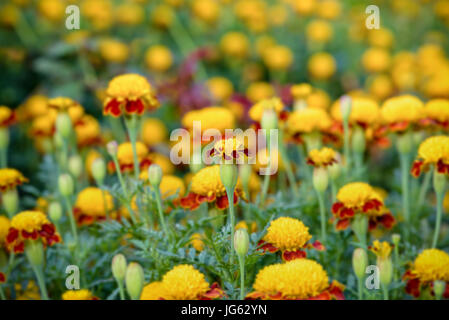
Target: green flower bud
[
  {"x": 134, "y": 280},
  {"x": 345, "y": 107},
  {"x": 360, "y": 227},
  {"x": 269, "y": 120},
  {"x": 229, "y": 176},
  {"x": 358, "y": 140},
  {"x": 58, "y": 141},
  {"x": 334, "y": 170},
  {"x": 4, "y": 138},
  {"x": 64, "y": 125},
  {"x": 241, "y": 242},
  {"x": 112, "y": 148},
  {"x": 34, "y": 251},
  {"x": 98, "y": 170},
  {"x": 396, "y": 238},
  {"x": 320, "y": 179},
  {"x": 245, "y": 173},
  {"x": 439, "y": 287},
  {"x": 76, "y": 166},
  {"x": 359, "y": 262},
  {"x": 155, "y": 175},
  {"x": 439, "y": 181},
  {"x": 10, "y": 200},
  {"x": 404, "y": 143},
  {"x": 65, "y": 183},
  {"x": 55, "y": 211},
  {"x": 385, "y": 270},
  {"x": 119, "y": 267}
]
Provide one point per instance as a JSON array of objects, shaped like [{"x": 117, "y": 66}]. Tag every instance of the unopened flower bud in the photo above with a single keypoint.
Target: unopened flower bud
[
  {"x": 119, "y": 267},
  {"x": 358, "y": 140},
  {"x": 112, "y": 148},
  {"x": 98, "y": 170},
  {"x": 404, "y": 143},
  {"x": 75, "y": 166},
  {"x": 34, "y": 251},
  {"x": 55, "y": 211},
  {"x": 345, "y": 107},
  {"x": 241, "y": 242},
  {"x": 64, "y": 124},
  {"x": 228, "y": 176},
  {"x": 245, "y": 173},
  {"x": 269, "y": 120},
  {"x": 385, "y": 270},
  {"x": 396, "y": 238},
  {"x": 359, "y": 262},
  {"x": 320, "y": 179},
  {"x": 58, "y": 141},
  {"x": 334, "y": 170},
  {"x": 65, "y": 183},
  {"x": 134, "y": 280},
  {"x": 439, "y": 181},
  {"x": 4, "y": 138},
  {"x": 439, "y": 286},
  {"x": 155, "y": 175},
  {"x": 10, "y": 199}
]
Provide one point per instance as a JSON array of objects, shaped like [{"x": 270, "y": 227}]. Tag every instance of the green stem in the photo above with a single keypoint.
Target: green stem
[
  {"x": 423, "y": 191},
  {"x": 41, "y": 282},
  {"x": 3, "y": 158},
  {"x": 121, "y": 290},
  {"x": 242, "y": 277},
  {"x": 161, "y": 213},
  {"x": 230, "y": 194},
  {"x": 132, "y": 127},
  {"x": 333, "y": 190},
  {"x": 346, "y": 146},
  {"x": 385, "y": 292},
  {"x": 360, "y": 288},
  {"x": 290, "y": 175},
  {"x": 440, "y": 198},
  {"x": 405, "y": 187},
  {"x": 72, "y": 219},
  {"x": 320, "y": 196},
  {"x": 2, "y": 294}
]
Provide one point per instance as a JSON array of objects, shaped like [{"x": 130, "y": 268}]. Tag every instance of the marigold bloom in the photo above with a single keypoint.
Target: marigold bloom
[
  {"x": 437, "y": 113},
  {"x": 206, "y": 186},
  {"x": 319, "y": 31},
  {"x": 360, "y": 198},
  {"x": 257, "y": 110},
  {"x": 113, "y": 50},
  {"x": 158, "y": 58},
  {"x": 364, "y": 111},
  {"x": 92, "y": 204},
  {"x": 401, "y": 112},
  {"x": 82, "y": 294},
  {"x": 278, "y": 57},
  {"x": 210, "y": 118},
  {"x": 10, "y": 178},
  {"x": 301, "y": 91},
  {"x": 376, "y": 60},
  {"x": 321, "y": 66},
  {"x": 197, "y": 242},
  {"x": 307, "y": 120},
  {"x": 7, "y": 116},
  {"x": 88, "y": 131},
  {"x": 184, "y": 282},
  {"x": 235, "y": 44},
  {"x": 258, "y": 91},
  {"x": 126, "y": 160},
  {"x": 153, "y": 291},
  {"x": 62, "y": 104},
  {"x": 298, "y": 279},
  {"x": 30, "y": 225},
  {"x": 129, "y": 94},
  {"x": 434, "y": 150},
  {"x": 4, "y": 229},
  {"x": 220, "y": 87},
  {"x": 430, "y": 265},
  {"x": 322, "y": 158},
  {"x": 381, "y": 249},
  {"x": 153, "y": 132},
  {"x": 290, "y": 236},
  {"x": 171, "y": 185},
  {"x": 34, "y": 106},
  {"x": 229, "y": 149}
]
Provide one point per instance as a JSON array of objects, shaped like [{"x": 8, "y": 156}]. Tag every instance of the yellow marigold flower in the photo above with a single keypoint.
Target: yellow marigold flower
[
  {"x": 113, "y": 50},
  {"x": 329, "y": 9},
  {"x": 278, "y": 57},
  {"x": 52, "y": 10},
  {"x": 243, "y": 225},
  {"x": 382, "y": 38},
  {"x": 258, "y": 91},
  {"x": 153, "y": 132},
  {"x": 399, "y": 112},
  {"x": 210, "y": 118},
  {"x": 308, "y": 120},
  {"x": 206, "y": 186},
  {"x": 290, "y": 236},
  {"x": 162, "y": 16},
  {"x": 434, "y": 150},
  {"x": 235, "y": 44},
  {"x": 129, "y": 94},
  {"x": 257, "y": 110},
  {"x": 98, "y": 12},
  {"x": 82, "y": 294},
  {"x": 376, "y": 60},
  {"x": 34, "y": 106},
  {"x": 30, "y": 292},
  {"x": 360, "y": 198},
  {"x": 92, "y": 204},
  {"x": 126, "y": 158},
  {"x": 41, "y": 204},
  {"x": 4, "y": 228},
  {"x": 229, "y": 149},
  {"x": 206, "y": 10},
  {"x": 381, "y": 249},
  {"x": 301, "y": 91},
  {"x": 322, "y": 157},
  {"x": 44, "y": 126},
  {"x": 380, "y": 86},
  {"x": 220, "y": 87},
  {"x": 318, "y": 99},
  {"x": 153, "y": 291},
  {"x": 262, "y": 159},
  {"x": 159, "y": 159},
  {"x": 446, "y": 202},
  {"x": 184, "y": 282},
  {"x": 129, "y": 14},
  {"x": 10, "y": 178},
  {"x": 321, "y": 66},
  {"x": 297, "y": 279},
  {"x": 437, "y": 111},
  {"x": 92, "y": 155},
  {"x": 63, "y": 104},
  {"x": 364, "y": 111},
  {"x": 30, "y": 225},
  {"x": 7, "y": 116},
  {"x": 304, "y": 7},
  {"x": 319, "y": 31},
  {"x": 171, "y": 185},
  {"x": 158, "y": 58},
  {"x": 88, "y": 131},
  {"x": 430, "y": 265},
  {"x": 197, "y": 242}
]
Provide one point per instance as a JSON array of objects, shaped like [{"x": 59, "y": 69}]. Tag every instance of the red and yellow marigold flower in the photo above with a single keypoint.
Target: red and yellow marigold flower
[
  {"x": 126, "y": 160},
  {"x": 206, "y": 186},
  {"x": 381, "y": 249},
  {"x": 129, "y": 94},
  {"x": 7, "y": 117},
  {"x": 300, "y": 279},
  {"x": 360, "y": 198},
  {"x": 92, "y": 205},
  {"x": 429, "y": 265},
  {"x": 5, "y": 224},
  {"x": 184, "y": 282},
  {"x": 432, "y": 151},
  {"x": 153, "y": 291},
  {"x": 196, "y": 240},
  {"x": 307, "y": 120},
  {"x": 230, "y": 149},
  {"x": 257, "y": 110},
  {"x": 153, "y": 132},
  {"x": 322, "y": 157},
  {"x": 364, "y": 112},
  {"x": 82, "y": 294},
  {"x": 88, "y": 132},
  {"x": 30, "y": 225},
  {"x": 171, "y": 185},
  {"x": 437, "y": 113},
  {"x": 290, "y": 236},
  {"x": 210, "y": 118},
  {"x": 10, "y": 178},
  {"x": 399, "y": 113},
  {"x": 64, "y": 104}
]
